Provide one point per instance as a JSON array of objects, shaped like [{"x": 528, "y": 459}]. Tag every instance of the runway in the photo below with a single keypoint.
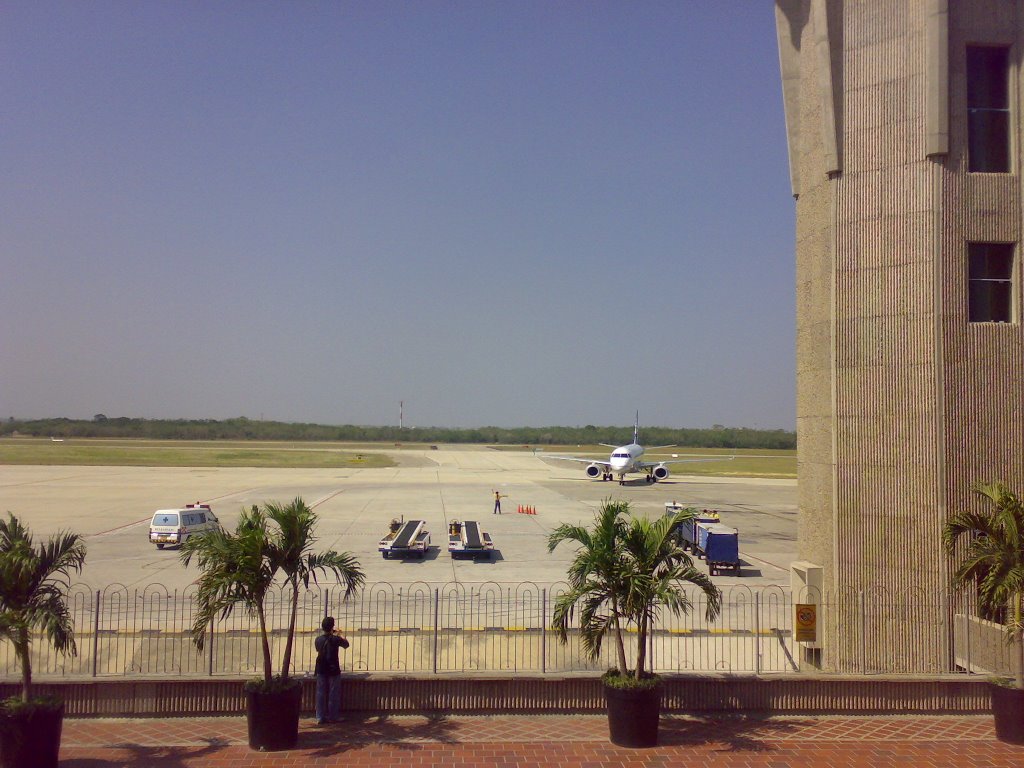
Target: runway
[{"x": 112, "y": 506}]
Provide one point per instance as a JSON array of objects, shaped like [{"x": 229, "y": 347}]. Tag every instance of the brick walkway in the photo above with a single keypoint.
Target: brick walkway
[{"x": 574, "y": 741}]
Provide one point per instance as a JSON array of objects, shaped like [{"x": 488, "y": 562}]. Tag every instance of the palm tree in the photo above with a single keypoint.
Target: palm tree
[
  {"x": 993, "y": 558},
  {"x": 625, "y": 567},
  {"x": 241, "y": 568},
  {"x": 236, "y": 569},
  {"x": 34, "y": 581},
  {"x": 657, "y": 569},
  {"x": 594, "y": 580},
  {"x": 292, "y": 554}
]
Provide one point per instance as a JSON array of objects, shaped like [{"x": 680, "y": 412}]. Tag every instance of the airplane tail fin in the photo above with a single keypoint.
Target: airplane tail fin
[{"x": 636, "y": 429}]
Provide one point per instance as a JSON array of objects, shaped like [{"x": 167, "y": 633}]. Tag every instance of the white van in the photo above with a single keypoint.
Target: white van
[{"x": 173, "y": 526}]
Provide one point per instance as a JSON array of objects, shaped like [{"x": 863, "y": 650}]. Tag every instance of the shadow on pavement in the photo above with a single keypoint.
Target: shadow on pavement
[
  {"x": 138, "y": 756},
  {"x": 358, "y": 730},
  {"x": 740, "y": 733}
]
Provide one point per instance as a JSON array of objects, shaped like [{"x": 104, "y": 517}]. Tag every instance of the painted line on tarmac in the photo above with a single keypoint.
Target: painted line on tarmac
[
  {"x": 327, "y": 498},
  {"x": 41, "y": 480},
  {"x": 149, "y": 517},
  {"x": 773, "y": 565},
  {"x": 115, "y": 530},
  {"x": 756, "y": 511},
  {"x": 227, "y": 495}
]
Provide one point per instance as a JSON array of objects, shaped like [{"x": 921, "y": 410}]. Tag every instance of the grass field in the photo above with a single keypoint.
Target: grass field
[
  {"x": 313, "y": 455},
  {"x": 752, "y": 462},
  {"x": 176, "y": 453}
]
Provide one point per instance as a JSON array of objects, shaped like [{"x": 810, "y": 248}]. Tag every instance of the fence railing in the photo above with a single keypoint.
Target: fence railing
[{"x": 421, "y": 628}]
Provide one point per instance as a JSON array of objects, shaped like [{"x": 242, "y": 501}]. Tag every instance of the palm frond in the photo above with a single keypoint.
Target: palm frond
[
  {"x": 33, "y": 590},
  {"x": 988, "y": 545},
  {"x": 625, "y": 567}
]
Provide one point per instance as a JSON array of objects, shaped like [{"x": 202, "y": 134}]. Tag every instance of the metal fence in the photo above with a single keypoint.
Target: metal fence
[{"x": 422, "y": 628}]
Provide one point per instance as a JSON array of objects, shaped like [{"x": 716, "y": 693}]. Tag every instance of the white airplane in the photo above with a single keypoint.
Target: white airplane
[{"x": 628, "y": 458}]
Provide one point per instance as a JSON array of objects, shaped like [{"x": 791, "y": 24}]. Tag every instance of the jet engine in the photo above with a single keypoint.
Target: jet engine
[
  {"x": 660, "y": 472},
  {"x": 595, "y": 471}
]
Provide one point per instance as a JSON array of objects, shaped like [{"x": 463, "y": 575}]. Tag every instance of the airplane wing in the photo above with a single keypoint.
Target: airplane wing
[
  {"x": 652, "y": 464},
  {"x": 600, "y": 463}
]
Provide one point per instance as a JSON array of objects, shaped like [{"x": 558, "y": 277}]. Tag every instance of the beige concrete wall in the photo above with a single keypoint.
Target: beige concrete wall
[
  {"x": 984, "y": 364},
  {"x": 520, "y": 694},
  {"x": 815, "y": 237},
  {"x": 901, "y": 403},
  {"x": 886, "y": 368}
]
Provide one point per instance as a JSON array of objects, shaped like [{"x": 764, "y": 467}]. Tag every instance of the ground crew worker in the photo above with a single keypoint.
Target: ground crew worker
[{"x": 497, "y": 502}]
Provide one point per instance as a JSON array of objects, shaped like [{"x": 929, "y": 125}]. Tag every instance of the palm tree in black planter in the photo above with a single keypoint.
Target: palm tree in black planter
[
  {"x": 294, "y": 557},
  {"x": 34, "y": 581},
  {"x": 624, "y": 569},
  {"x": 993, "y": 562},
  {"x": 240, "y": 568}
]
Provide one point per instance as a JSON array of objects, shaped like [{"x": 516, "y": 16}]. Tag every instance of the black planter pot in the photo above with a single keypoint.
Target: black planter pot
[
  {"x": 30, "y": 738},
  {"x": 633, "y": 715},
  {"x": 273, "y": 718},
  {"x": 1008, "y": 709}
]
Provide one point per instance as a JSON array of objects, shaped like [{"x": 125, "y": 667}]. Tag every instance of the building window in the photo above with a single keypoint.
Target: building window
[
  {"x": 988, "y": 109},
  {"x": 990, "y": 282}
]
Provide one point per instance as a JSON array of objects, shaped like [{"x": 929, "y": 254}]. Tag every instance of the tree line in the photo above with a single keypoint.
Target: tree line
[{"x": 242, "y": 428}]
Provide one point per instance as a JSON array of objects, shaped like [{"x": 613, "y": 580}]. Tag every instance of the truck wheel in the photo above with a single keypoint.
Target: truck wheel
[
  {"x": 159, "y": 546},
  {"x": 384, "y": 555}
]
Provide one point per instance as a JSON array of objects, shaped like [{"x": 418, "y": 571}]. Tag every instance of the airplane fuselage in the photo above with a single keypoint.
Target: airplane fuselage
[
  {"x": 622, "y": 461},
  {"x": 625, "y": 459}
]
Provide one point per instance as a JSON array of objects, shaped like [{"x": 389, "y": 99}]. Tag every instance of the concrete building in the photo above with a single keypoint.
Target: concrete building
[{"x": 904, "y": 132}]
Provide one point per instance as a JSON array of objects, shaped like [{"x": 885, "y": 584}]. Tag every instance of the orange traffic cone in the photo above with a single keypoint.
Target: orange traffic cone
[{"x": 520, "y": 510}]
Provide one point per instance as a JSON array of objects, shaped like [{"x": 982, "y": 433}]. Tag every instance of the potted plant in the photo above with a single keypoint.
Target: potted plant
[
  {"x": 993, "y": 562},
  {"x": 625, "y": 568},
  {"x": 34, "y": 582},
  {"x": 240, "y": 568}
]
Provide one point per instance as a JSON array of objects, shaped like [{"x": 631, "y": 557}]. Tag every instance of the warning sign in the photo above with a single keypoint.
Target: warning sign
[{"x": 806, "y": 622}]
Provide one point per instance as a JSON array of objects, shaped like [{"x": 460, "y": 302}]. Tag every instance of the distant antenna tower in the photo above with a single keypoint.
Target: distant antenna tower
[{"x": 401, "y": 414}]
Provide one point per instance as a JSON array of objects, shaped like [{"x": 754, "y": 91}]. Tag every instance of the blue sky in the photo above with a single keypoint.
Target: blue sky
[{"x": 500, "y": 213}]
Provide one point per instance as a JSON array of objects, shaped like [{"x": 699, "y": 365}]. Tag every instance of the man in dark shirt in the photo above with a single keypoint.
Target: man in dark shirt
[{"x": 328, "y": 673}]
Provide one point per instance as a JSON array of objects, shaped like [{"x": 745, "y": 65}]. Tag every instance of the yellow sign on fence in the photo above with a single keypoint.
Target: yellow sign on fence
[{"x": 806, "y": 622}]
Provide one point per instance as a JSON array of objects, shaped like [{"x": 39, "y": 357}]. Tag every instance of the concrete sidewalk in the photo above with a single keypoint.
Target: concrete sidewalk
[{"x": 544, "y": 740}]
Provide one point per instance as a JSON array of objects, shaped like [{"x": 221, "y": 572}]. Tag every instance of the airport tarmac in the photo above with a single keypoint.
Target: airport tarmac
[{"x": 112, "y": 506}]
